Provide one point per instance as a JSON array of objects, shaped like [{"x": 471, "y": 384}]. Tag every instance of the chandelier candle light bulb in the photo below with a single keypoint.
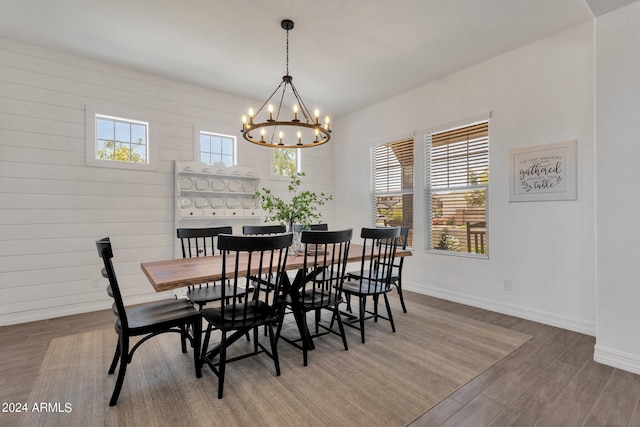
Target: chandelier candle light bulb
[{"x": 309, "y": 133}]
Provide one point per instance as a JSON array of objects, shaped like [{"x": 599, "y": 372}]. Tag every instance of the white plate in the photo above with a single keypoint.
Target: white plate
[
  {"x": 249, "y": 186},
  {"x": 248, "y": 203},
  {"x": 235, "y": 186},
  {"x": 219, "y": 167},
  {"x": 217, "y": 185},
  {"x": 185, "y": 183},
  {"x": 202, "y": 184},
  {"x": 217, "y": 202},
  {"x": 185, "y": 202},
  {"x": 202, "y": 202},
  {"x": 233, "y": 203}
]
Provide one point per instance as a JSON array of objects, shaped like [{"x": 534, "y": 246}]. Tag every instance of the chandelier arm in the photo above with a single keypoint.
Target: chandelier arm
[
  {"x": 269, "y": 98},
  {"x": 284, "y": 90},
  {"x": 303, "y": 107}
]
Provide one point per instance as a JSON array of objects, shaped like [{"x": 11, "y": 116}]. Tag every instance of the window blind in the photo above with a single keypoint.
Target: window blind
[
  {"x": 457, "y": 168},
  {"x": 392, "y": 167}
]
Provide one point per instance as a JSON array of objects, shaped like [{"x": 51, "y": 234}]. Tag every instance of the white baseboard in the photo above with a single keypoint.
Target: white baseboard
[
  {"x": 70, "y": 310},
  {"x": 571, "y": 324},
  {"x": 617, "y": 359}
]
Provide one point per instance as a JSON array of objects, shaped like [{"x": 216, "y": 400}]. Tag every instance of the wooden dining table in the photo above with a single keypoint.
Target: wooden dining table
[
  {"x": 166, "y": 275},
  {"x": 177, "y": 273}
]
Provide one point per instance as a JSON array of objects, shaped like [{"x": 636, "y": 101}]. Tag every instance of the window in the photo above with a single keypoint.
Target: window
[
  {"x": 286, "y": 161},
  {"x": 457, "y": 166},
  {"x": 121, "y": 140},
  {"x": 118, "y": 140},
  {"x": 392, "y": 184},
  {"x": 216, "y": 148}
]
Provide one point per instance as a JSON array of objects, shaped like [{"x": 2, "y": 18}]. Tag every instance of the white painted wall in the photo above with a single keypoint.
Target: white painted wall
[
  {"x": 53, "y": 207},
  {"x": 618, "y": 180},
  {"x": 538, "y": 94}
]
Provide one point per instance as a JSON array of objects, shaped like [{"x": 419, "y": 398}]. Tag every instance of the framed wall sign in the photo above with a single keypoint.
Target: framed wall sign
[{"x": 543, "y": 172}]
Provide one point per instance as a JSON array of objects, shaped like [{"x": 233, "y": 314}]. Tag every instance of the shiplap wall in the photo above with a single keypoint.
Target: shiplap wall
[{"x": 53, "y": 207}]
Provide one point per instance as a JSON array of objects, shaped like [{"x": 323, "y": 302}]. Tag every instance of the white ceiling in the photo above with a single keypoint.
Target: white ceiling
[{"x": 344, "y": 54}]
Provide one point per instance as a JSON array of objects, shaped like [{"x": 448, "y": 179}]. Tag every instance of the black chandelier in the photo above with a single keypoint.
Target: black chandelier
[{"x": 271, "y": 131}]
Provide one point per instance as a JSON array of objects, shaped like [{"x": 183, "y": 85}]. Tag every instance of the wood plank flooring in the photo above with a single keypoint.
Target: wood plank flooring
[{"x": 550, "y": 381}]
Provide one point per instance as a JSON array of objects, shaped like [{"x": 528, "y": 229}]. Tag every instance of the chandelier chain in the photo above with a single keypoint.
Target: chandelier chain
[{"x": 287, "y": 52}]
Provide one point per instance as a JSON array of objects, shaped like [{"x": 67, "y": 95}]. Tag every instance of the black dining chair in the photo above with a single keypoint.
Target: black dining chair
[
  {"x": 197, "y": 242},
  {"x": 240, "y": 256},
  {"x": 318, "y": 286},
  {"x": 299, "y": 228},
  {"x": 248, "y": 230},
  {"x": 396, "y": 274},
  {"x": 147, "y": 320},
  {"x": 374, "y": 278}
]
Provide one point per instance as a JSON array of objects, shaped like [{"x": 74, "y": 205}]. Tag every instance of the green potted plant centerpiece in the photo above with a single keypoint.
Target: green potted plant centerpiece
[{"x": 301, "y": 209}]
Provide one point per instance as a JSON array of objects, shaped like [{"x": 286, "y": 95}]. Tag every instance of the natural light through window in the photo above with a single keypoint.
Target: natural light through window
[
  {"x": 392, "y": 176},
  {"x": 216, "y": 148},
  {"x": 286, "y": 161},
  {"x": 121, "y": 140},
  {"x": 457, "y": 165}
]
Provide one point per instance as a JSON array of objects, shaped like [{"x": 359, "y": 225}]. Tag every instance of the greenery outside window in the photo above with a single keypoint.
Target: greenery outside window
[
  {"x": 121, "y": 140},
  {"x": 286, "y": 162},
  {"x": 392, "y": 167},
  {"x": 118, "y": 140},
  {"x": 457, "y": 174}
]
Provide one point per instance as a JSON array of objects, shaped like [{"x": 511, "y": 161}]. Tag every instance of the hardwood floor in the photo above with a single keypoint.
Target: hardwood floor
[{"x": 550, "y": 381}]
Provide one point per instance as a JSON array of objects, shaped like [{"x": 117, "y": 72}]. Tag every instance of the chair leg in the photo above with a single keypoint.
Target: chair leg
[
  {"x": 124, "y": 361},
  {"x": 375, "y": 308},
  {"x": 255, "y": 338},
  {"x": 386, "y": 301},
  {"x": 221, "y": 365},
  {"x": 363, "y": 301},
  {"x": 197, "y": 338},
  {"x": 274, "y": 349},
  {"x": 116, "y": 357},
  {"x": 399, "y": 289},
  {"x": 336, "y": 315},
  {"x": 305, "y": 339},
  {"x": 205, "y": 343},
  {"x": 183, "y": 337}
]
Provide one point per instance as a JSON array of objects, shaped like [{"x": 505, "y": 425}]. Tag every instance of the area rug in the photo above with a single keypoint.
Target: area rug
[{"x": 389, "y": 381}]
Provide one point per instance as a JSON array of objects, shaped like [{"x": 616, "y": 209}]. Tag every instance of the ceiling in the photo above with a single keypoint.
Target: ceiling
[{"x": 344, "y": 54}]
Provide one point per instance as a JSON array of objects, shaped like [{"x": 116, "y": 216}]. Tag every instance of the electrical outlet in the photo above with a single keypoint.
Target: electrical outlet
[
  {"x": 95, "y": 282},
  {"x": 506, "y": 284}
]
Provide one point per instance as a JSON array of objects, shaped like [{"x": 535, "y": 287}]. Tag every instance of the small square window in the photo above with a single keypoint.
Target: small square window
[
  {"x": 121, "y": 140},
  {"x": 214, "y": 148},
  {"x": 115, "y": 141},
  {"x": 286, "y": 161}
]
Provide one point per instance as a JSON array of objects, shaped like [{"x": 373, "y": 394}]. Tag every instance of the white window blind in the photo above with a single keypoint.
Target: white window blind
[
  {"x": 457, "y": 167},
  {"x": 392, "y": 167}
]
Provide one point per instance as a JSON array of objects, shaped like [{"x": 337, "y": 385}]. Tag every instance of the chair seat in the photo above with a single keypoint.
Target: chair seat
[
  {"x": 318, "y": 299},
  {"x": 209, "y": 293},
  {"x": 378, "y": 275},
  {"x": 253, "y": 313},
  {"x": 152, "y": 316},
  {"x": 366, "y": 288}
]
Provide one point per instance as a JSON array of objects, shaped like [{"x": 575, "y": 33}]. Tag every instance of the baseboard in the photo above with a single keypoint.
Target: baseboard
[
  {"x": 70, "y": 310},
  {"x": 571, "y": 324},
  {"x": 617, "y": 359}
]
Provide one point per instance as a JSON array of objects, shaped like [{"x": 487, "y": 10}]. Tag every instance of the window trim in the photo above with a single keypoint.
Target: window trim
[
  {"x": 91, "y": 138},
  {"x": 428, "y": 231},
  {"x": 198, "y": 129}
]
